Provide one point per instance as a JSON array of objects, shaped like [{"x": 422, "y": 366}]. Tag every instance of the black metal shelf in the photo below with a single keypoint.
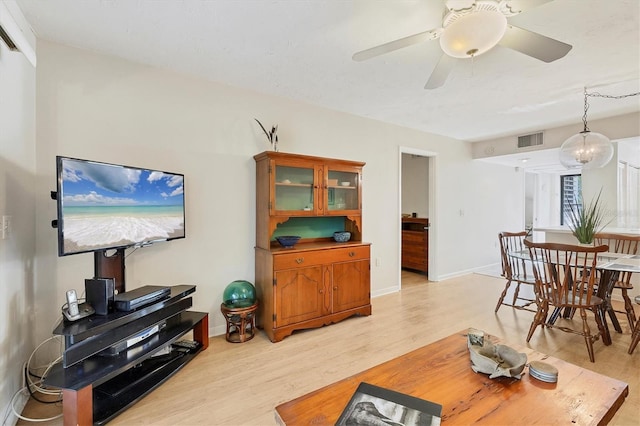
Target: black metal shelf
[
  {"x": 98, "y": 369},
  {"x": 94, "y": 325},
  {"x": 121, "y": 392}
]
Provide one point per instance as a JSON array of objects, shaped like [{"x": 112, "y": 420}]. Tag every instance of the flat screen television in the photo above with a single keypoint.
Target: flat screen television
[{"x": 103, "y": 206}]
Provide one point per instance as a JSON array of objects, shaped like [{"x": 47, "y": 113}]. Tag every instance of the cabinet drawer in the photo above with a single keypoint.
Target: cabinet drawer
[
  {"x": 413, "y": 237},
  {"x": 320, "y": 257}
]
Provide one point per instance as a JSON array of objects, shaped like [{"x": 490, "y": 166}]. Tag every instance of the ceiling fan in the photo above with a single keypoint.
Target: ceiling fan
[{"x": 473, "y": 27}]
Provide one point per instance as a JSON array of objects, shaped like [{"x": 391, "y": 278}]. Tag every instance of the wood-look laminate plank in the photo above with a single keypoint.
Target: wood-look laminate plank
[{"x": 241, "y": 384}]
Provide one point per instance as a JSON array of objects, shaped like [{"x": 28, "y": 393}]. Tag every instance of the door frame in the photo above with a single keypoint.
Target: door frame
[{"x": 431, "y": 184}]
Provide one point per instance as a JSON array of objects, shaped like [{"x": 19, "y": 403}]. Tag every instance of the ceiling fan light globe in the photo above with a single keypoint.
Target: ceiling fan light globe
[
  {"x": 476, "y": 32},
  {"x": 586, "y": 150}
]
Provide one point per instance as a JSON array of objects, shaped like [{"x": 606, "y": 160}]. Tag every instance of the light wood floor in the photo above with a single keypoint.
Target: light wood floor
[{"x": 240, "y": 384}]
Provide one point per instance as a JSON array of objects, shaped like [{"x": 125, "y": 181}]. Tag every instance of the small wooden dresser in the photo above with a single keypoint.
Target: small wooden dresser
[{"x": 415, "y": 243}]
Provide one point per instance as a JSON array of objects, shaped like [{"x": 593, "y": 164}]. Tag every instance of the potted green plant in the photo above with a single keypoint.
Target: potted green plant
[{"x": 586, "y": 221}]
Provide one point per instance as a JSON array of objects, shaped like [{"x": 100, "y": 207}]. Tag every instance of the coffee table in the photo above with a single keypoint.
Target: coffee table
[{"x": 441, "y": 373}]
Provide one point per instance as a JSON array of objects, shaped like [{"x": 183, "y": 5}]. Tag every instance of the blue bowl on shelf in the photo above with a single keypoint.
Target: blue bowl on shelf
[
  {"x": 342, "y": 237},
  {"x": 288, "y": 241}
]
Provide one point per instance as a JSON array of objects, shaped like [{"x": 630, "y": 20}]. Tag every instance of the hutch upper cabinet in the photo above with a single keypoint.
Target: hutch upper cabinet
[
  {"x": 290, "y": 185},
  {"x": 318, "y": 281}
]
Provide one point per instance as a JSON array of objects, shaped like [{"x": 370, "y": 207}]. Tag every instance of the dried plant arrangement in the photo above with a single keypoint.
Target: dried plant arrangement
[{"x": 272, "y": 135}]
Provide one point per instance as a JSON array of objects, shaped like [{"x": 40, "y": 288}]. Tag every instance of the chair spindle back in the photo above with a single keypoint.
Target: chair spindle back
[
  {"x": 620, "y": 243},
  {"x": 511, "y": 242},
  {"x": 565, "y": 274}
]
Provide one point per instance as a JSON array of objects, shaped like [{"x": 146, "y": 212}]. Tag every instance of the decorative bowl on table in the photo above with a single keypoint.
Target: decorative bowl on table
[
  {"x": 288, "y": 241},
  {"x": 342, "y": 236},
  {"x": 495, "y": 360}
]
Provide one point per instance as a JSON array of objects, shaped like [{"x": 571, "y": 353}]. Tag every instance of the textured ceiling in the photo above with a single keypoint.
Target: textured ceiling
[{"x": 301, "y": 49}]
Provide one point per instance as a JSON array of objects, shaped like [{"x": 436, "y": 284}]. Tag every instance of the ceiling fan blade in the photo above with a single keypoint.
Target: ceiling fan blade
[
  {"x": 395, "y": 45},
  {"x": 518, "y": 6},
  {"x": 533, "y": 44},
  {"x": 440, "y": 72}
]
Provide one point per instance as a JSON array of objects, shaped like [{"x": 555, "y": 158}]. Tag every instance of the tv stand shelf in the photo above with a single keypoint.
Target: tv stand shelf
[{"x": 96, "y": 387}]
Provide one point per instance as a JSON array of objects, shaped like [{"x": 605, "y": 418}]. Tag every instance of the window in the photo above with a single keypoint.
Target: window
[
  {"x": 570, "y": 193},
  {"x": 628, "y": 194}
]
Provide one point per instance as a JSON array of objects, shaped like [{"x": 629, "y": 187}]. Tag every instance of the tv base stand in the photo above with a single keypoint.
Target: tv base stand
[{"x": 96, "y": 388}]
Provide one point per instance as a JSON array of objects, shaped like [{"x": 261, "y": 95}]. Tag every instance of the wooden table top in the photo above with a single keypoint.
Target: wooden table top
[{"x": 441, "y": 372}]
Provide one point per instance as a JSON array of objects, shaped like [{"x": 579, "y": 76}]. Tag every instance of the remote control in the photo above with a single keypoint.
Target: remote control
[{"x": 187, "y": 344}]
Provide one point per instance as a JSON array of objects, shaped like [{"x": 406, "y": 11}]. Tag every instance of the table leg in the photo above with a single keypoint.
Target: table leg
[
  {"x": 554, "y": 316},
  {"x": 608, "y": 279},
  {"x": 614, "y": 319}
]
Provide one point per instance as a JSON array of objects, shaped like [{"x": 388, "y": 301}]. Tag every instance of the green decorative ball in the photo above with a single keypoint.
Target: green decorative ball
[{"x": 239, "y": 294}]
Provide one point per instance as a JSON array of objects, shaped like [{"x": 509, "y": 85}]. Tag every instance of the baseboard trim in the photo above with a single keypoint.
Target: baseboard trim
[{"x": 19, "y": 403}]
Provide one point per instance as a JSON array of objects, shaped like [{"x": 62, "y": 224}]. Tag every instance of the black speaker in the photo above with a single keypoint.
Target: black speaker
[{"x": 100, "y": 292}]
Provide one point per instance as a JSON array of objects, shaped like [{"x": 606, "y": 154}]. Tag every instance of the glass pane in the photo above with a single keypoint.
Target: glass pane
[
  {"x": 571, "y": 190},
  {"x": 294, "y": 188},
  {"x": 343, "y": 190}
]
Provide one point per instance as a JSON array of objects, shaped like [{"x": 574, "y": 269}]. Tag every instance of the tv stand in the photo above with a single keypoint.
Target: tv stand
[
  {"x": 110, "y": 267},
  {"x": 96, "y": 388}
]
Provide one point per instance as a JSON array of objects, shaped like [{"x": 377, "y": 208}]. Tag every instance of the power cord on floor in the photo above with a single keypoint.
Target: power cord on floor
[
  {"x": 32, "y": 387},
  {"x": 18, "y": 415}
]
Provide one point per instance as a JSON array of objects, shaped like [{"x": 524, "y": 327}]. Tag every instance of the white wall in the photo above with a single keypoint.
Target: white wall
[
  {"x": 102, "y": 108},
  {"x": 618, "y": 127},
  {"x": 415, "y": 190},
  {"x": 17, "y": 189}
]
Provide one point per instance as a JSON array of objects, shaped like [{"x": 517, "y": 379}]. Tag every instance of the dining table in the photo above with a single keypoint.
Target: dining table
[{"x": 609, "y": 266}]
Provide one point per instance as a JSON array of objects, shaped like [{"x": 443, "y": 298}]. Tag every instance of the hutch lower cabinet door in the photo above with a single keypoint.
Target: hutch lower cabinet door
[
  {"x": 298, "y": 295},
  {"x": 350, "y": 287}
]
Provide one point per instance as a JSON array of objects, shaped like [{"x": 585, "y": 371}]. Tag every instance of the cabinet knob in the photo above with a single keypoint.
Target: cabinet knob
[
  {"x": 321, "y": 291},
  {"x": 299, "y": 260},
  {"x": 335, "y": 289},
  {"x": 352, "y": 253}
]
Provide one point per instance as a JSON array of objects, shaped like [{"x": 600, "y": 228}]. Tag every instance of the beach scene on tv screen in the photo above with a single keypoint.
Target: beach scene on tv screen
[{"x": 106, "y": 205}]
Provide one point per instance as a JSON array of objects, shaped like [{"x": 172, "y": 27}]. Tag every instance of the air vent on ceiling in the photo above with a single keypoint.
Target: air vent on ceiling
[
  {"x": 5, "y": 37},
  {"x": 527, "y": 141}
]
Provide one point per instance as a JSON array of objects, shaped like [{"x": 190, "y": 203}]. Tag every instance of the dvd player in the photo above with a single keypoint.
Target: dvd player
[
  {"x": 133, "y": 340},
  {"x": 130, "y": 300}
]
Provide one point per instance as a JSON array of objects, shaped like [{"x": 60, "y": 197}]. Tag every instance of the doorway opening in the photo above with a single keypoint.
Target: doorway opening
[{"x": 417, "y": 229}]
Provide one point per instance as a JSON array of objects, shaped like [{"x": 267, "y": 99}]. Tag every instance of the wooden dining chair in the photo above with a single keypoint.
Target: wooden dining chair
[
  {"x": 626, "y": 244},
  {"x": 635, "y": 333},
  {"x": 515, "y": 271},
  {"x": 565, "y": 279}
]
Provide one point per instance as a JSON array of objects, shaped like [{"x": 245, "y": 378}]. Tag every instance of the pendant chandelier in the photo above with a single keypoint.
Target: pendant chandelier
[{"x": 587, "y": 149}]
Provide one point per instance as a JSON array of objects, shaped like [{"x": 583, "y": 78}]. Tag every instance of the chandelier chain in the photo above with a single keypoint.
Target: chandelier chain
[{"x": 599, "y": 95}]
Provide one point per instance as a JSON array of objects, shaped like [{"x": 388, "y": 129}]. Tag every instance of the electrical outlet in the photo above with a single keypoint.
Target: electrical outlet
[{"x": 6, "y": 226}]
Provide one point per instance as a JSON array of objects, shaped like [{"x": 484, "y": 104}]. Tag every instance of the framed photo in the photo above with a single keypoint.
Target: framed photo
[{"x": 375, "y": 406}]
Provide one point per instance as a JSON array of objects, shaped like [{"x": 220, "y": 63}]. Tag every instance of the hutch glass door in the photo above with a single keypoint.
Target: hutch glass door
[
  {"x": 343, "y": 190},
  {"x": 294, "y": 188}
]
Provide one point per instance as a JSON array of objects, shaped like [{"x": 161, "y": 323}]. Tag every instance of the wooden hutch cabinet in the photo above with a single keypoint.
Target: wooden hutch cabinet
[{"x": 318, "y": 281}]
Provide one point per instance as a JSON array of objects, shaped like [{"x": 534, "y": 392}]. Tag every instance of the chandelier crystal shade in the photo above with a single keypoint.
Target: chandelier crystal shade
[{"x": 586, "y": 150}]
